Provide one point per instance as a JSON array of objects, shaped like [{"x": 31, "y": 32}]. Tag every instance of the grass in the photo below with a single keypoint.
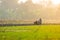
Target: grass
[{"x": 33, "y": 32}]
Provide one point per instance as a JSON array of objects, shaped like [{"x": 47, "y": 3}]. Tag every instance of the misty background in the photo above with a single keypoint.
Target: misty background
[{"x": 12, "y": 10}]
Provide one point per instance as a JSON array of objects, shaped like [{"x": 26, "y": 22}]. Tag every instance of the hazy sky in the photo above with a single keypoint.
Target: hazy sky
[{"x": 55, "y": 2}]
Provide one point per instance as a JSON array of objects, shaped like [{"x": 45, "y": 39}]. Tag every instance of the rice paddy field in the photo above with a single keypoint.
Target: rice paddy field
[{"x": 31, "y": 32}]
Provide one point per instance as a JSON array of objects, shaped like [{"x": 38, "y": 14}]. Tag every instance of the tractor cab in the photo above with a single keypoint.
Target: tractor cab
[{"x": 38, "y": 22}]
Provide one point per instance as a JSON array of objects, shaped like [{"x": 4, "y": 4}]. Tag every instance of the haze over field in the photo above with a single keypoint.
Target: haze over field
[{"x": 48, "y": 10}]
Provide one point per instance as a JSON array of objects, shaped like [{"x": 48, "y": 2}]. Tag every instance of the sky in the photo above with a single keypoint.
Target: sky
[{"x": 55, "y": 2}]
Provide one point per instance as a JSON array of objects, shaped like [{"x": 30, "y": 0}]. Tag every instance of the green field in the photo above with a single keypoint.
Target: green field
[{"x": 32, "y": 32}]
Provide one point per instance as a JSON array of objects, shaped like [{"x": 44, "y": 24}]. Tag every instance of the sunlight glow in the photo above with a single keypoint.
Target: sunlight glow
[
  {"x": 37, "y": 1},
  {"x": 55, "y": 2},
  {"x": 43, "y": 2},
  {"x": 0, "y": 1},
  {"x": 21, "y": 1}
]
